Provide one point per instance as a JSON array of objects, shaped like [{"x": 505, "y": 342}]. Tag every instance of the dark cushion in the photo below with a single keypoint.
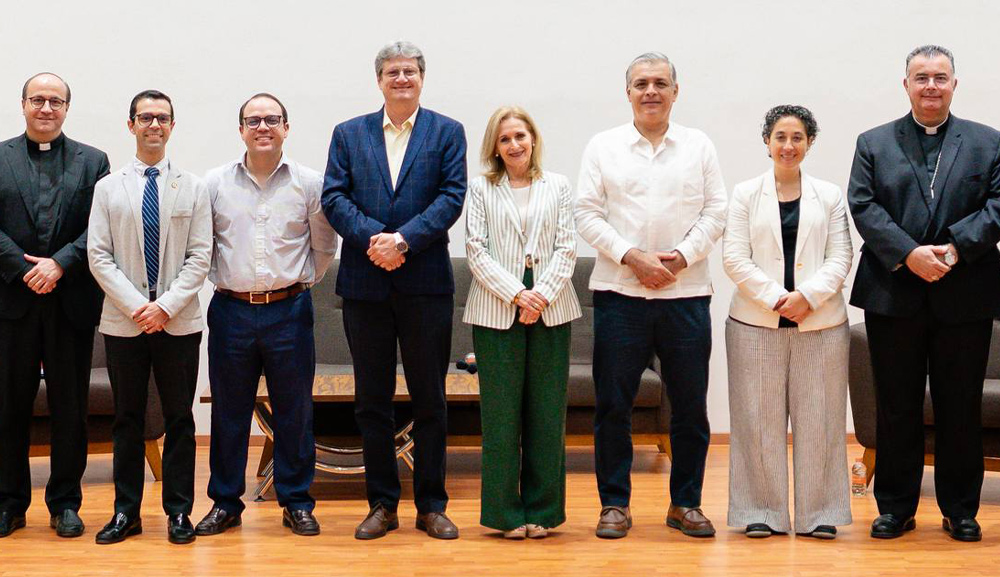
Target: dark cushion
[{"x": 991, "y": 405}]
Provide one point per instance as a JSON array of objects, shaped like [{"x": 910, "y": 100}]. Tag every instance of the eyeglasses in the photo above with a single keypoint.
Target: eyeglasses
[
  {"x": 270, "y": 120},
  {"x": 37, "y": 102},
  {"x": 145, "y": 119}
]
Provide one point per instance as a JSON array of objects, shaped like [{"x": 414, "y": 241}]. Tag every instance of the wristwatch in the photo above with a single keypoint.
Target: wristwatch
[
  {"x": 401, "y": 244},
  {"x": 950, "y": 258}
]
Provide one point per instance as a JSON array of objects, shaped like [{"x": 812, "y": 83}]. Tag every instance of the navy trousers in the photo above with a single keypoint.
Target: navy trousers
[
  {"x": 245, "y": 340},
  {"x": 627, "y": 331},
  {"x": 422, "y": 325}
]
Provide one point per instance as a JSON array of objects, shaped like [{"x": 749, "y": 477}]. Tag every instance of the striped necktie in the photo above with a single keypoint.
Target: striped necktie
[{"x": 151, "y": 227}]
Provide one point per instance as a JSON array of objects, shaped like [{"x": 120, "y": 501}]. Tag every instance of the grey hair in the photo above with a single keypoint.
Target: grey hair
[
  {"x": 650, "y": 57},
  {"x": 930, "y": 51},
  {"x": 399, "y": 49}
]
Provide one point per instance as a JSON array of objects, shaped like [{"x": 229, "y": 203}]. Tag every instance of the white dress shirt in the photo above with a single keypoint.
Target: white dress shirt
[
  {"x": 140, "y": 173},
  {"x": 396, "y": 141},
  {"x": 272, "y": 237},
  {"x": 630, "y": 195}
]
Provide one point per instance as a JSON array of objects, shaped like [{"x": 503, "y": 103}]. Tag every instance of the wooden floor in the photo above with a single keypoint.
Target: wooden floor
[{"x": 263, "y": 547}]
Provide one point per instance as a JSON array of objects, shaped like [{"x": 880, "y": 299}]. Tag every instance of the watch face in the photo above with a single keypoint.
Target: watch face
[
  {"x": 949, "y": 258},
  {"x": 402, "y": 246}
]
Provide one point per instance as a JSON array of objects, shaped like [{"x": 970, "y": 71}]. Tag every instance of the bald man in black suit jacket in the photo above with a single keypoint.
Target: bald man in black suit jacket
[{"x": 49, "y": 302}]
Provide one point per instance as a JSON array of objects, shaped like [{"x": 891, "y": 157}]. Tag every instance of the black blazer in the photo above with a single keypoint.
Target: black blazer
[
  {"x": 889, "y": 196},
  {"x": 77, "y": 291},
  {"x": 359, "y": 201}
]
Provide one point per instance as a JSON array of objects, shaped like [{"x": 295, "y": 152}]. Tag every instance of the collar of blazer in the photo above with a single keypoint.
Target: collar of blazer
[
  {"x": 536, "y": 196},
  {"x": 808, "y": 205},
  {"x": 168, "y": 196},
  {"x": 909, "y": 142},
  {"x": 376, "y": 137},
  {"x": 72, "y": 172}
]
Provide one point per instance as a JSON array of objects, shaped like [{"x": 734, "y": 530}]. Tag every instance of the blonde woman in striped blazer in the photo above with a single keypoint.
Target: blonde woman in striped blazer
[{"x": 521, "y": 248}]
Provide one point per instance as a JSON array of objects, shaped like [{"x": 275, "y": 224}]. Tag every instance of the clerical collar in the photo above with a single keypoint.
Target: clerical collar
[
  {"x": 45, "y": 146},
  {"x": 931, "y": 129}
]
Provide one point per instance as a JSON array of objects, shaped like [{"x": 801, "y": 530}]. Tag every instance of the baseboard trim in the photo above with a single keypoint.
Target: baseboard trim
[{"x": 716, "y": 439}]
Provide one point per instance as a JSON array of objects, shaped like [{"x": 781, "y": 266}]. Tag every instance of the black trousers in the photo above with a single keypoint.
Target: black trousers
[
  {"x": 904, "y": 352},
  {"x": 174, "y": 363},
  {"x": 44, "y": 335},
  {"x": 422, "y": 325}
]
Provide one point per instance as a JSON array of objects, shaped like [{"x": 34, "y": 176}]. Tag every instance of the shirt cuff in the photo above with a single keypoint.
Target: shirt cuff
[{"x": 619, "y": 248}]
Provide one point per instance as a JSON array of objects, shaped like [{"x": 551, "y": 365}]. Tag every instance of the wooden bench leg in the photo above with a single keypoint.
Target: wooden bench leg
[
  {"x": 154, "y": 460},
  {"x": 664, "y": 446},
  {"x": 265, "y": 457},
  {"x": 869, "y": 460}
]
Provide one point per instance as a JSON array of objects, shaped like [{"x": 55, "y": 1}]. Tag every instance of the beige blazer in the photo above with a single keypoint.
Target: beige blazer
[
  {"x": 753, "y": 257},
  {"x": 496, "y": 250},
  {"x": 115, "y": 250}
]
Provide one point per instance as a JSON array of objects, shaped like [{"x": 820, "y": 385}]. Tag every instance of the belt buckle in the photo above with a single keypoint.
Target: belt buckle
[
  {"x": 528, "y": 263},
  {"x": 266, "y": 301}
]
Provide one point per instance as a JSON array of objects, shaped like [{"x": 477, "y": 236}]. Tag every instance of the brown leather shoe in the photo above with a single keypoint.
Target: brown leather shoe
[
  {"x": 437, "y": 525},
  {"x": 691, "y": 522},
  {"x": 378, "y": 522},
  {"x": 614, "y": 522}
]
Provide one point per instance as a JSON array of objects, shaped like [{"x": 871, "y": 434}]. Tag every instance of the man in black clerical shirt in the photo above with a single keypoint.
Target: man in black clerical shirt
[
  {"x": 925, "y": 196},
  {"x": 49, "y": 302}
]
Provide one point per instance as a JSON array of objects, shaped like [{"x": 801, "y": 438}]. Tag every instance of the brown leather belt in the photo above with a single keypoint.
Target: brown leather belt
[{"x": 265, "y": 297}]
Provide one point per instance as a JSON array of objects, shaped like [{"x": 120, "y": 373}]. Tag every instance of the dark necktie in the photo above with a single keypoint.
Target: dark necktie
[{"x": 151, "y": 227}]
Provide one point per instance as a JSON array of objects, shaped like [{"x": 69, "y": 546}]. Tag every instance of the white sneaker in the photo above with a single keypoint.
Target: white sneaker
[
  {"x": 536, "y": 531},
  {"x": 517, "y": 533}
]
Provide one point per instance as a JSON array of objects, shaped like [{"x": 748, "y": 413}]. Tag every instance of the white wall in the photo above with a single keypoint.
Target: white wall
[{"x": 564, "y": 61}]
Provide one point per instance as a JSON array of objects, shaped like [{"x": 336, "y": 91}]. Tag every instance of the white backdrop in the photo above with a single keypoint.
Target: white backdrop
[{"x": 562, "y": 60}]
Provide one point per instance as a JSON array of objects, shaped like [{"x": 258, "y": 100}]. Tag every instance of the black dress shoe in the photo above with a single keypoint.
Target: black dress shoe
[
  {"x": 889, "y": 526},
  {"x": 217, "y": 521},
  {"x": 962, "y": 529},
  {"x": 118, "y": 529},
  {"x": 378, "y": 522},
  {"x": 10, "y": 522},
  {"x": 67, "y": 524},
  {"x": 300, "y": 521},
  {"x": 179, "y": 529}
]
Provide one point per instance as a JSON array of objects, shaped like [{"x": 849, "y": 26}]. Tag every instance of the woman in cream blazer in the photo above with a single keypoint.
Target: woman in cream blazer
[
  {"x": 787, "y": 247},
  {"x": 521, "y": 248}
]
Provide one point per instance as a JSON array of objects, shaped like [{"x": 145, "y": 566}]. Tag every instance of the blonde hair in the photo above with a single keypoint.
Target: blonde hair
[{"x": 495, "y": 168}]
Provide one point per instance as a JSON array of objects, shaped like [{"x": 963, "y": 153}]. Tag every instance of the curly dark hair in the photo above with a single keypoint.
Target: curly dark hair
[{"x": 801, "y": 112}]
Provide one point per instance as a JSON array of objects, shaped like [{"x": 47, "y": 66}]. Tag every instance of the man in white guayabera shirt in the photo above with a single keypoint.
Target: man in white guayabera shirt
[{"x": 652, "y": 202}]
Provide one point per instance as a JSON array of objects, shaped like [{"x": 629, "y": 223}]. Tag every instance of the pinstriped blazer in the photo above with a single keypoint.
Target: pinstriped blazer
[{"x": 495, "y": 248}]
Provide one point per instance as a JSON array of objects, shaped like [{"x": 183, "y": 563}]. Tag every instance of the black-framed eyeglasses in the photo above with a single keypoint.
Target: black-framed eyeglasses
[
  {"x": 145, "y": 119},
  {"x": 37, "y": 102},
  {"x": 270, "y": 120}
]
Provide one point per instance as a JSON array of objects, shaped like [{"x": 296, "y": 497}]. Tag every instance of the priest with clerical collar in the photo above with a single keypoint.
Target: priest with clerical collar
[
  {"x": 925, "y": 197},
  {"x": 49, "y": 302}
]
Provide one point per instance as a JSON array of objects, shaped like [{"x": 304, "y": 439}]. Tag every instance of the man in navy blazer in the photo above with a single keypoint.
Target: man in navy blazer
[
  {"x": 925, "y": 196},
  {"x": 395, "y": 183}
]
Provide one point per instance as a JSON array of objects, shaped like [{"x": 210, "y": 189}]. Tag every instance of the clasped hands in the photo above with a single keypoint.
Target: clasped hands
[
  {"x": 43, "y": 276},
  {"x": 382, "y": 251},
  {"x": 655, "y": 270},
  {"x": 927, "y": 261},
  {"x": 531, "y": 303},
  {"x": 150, "y": 318},
  {"x": 793, "y": 306}
]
